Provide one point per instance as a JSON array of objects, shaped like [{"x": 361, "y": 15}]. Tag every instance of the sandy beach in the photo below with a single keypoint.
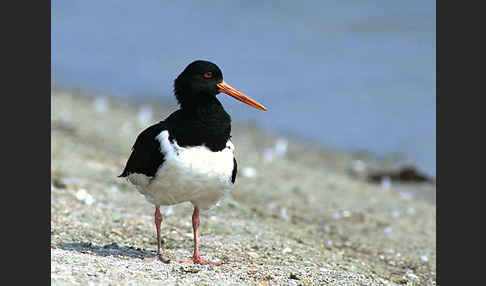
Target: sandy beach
[{"x": 299, "y": 214}]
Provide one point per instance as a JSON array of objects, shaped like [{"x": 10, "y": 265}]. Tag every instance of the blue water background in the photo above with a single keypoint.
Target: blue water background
[{"x": 353, "y": 75}]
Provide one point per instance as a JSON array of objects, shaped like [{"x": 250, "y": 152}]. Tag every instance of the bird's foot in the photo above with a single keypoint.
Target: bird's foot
[
  {"x": 158, "y": 257},
  {"x": 198, "y": 260}
]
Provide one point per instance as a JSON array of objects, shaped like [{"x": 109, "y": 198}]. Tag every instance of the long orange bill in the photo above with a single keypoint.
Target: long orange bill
[{"x": 229, "y": 90}]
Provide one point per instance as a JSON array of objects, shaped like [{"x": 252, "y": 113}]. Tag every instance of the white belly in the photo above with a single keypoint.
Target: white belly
[{"x": 194, "y": 174}]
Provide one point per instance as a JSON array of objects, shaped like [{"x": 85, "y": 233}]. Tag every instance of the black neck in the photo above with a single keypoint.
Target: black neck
[
  {"x": 201, "y": 122},
  {"x": 198, "y": 103}
]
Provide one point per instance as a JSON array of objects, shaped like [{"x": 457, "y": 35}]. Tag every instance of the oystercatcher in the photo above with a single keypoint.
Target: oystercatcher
[{"x": 189, "y": 156}]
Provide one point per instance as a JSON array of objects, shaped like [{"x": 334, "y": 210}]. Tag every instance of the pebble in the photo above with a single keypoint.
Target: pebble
[
  {"x": 287, "y": 250},
  {"x": 253, "y": 254},
  {"x": 188, "y": 234},
  {"x": 278, "y": 150},
  {"x": 284, "y": 215},
  {"x": 406, "y": 196},
  {"x": 336, "y": 215},
  {"x": 83, "y": 196},
  {"x": 249, "y": 172},
  {"x": 281, "y": 147},
  {"x": 410, "y": 275}
]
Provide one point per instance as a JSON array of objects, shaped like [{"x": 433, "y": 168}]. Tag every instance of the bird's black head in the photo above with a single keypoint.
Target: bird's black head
[
  {"x": 198, "y": 82},
  {"x": 201, "y": 81}
]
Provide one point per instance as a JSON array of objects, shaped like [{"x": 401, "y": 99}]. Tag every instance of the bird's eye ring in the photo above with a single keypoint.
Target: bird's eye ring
[{"x": 208, "y": 75}]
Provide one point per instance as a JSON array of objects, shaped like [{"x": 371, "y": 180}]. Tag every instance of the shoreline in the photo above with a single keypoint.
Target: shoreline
[{"x": 395, "y": 160}]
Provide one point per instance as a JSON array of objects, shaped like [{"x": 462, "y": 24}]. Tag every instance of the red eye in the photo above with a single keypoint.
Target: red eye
[{"x": 208, "y": 75}]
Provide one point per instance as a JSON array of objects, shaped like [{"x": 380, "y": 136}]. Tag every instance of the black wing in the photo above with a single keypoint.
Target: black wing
[
  {"x": 235, "y": 170},
  {"x": 146, "y": 157}
]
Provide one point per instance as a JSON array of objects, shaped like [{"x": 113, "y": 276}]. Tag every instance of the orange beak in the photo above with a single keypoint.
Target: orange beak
[{"x": 229, "y": 90}]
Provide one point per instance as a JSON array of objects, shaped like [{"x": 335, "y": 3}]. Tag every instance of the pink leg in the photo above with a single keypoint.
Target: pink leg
[
  {"x": 158, "y": 221},
  {"x": 196, "y": 258}
]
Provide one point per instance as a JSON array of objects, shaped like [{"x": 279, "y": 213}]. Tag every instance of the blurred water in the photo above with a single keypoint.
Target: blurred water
[{"x": 356, "y": 75}]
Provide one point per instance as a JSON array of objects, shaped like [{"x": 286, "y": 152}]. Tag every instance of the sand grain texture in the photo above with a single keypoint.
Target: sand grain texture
[{"x": 298, "y": 218}]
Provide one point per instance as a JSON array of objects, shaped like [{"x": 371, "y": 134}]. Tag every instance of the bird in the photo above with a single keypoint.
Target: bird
[{"x": 189, "y": 156}]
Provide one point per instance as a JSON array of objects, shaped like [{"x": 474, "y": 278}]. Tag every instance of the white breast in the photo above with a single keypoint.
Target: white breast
[{"x": 194, "y": 174}]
